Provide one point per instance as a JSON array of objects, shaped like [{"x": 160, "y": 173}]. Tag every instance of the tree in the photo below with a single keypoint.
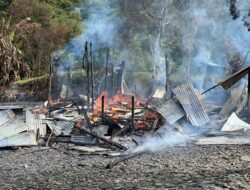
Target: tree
[{"x": 51, "y": 24}]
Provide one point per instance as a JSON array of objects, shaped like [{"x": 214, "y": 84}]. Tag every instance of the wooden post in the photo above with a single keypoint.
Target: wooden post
[
  {"x": 87, "y": 71},
  {"x": 133, "y": 113},
  {"x": 107, "y": 64},
  {"x": 135, "y": 91},
  {"x": 103, "y": 110},
  {"x": 117, "y": 85},
  {"x": 248, "y": 95},
  {"x": 92, "y": 76},
  {"x": 50, "y": 80},
  {"x": 113, "y": 81},
  {"x": 167, "y": 72}
]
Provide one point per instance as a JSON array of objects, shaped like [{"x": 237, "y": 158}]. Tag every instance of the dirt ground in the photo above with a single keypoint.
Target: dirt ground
[{"x": 188, "y": 167}]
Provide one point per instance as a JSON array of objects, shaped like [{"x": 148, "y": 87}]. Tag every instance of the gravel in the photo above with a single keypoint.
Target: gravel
[{"x": 188, "y": 167}]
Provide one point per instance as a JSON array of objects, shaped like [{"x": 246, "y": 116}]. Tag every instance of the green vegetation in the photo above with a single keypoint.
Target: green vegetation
[
  {"x": 37, "y": 28},
  {"x": 189, "y": 33}
]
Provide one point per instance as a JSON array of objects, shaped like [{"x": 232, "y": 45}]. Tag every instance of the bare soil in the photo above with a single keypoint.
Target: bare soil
[{"x": 189, "y": 167}]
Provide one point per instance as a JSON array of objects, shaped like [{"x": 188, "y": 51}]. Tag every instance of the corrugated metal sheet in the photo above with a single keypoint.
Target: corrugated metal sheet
[
  {"x": 36, "y": 123},
  {"x": 21, "y": 139},
  {"x": 185, "y": 93},
  {"x": 171, "y": 111},
  {"x": 12, "y": 128},
  {"x": 6, "y": 116},
  {"x": 159, "y": 93},
  {"x": 60, "y": 127}
]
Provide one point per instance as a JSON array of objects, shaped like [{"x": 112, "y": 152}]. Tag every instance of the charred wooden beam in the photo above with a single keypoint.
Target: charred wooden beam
[
  {"x": 88, "y": 76},
  {"x": 112, "y": 81},
  {"x": 103, "y": 99},
  {"x": 107, "y": 64},
  {"x": 92, "y": 76},
  {"x": 50, "y": 80},
  {"x": 168, "y": 70},
  {"x": 133, "y": 114},
  {"x": 83, "y": 111},
  {"x": 127, "y": 157}
]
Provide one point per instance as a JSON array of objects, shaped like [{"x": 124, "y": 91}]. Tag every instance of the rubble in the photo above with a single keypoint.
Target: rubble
[{"x": 117, "y": 122}]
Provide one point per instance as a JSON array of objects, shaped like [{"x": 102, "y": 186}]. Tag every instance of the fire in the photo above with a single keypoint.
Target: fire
[
  {"x": 119, "y": 108},
  {"x": 98, "y": 102},
  {"x": 118, "y": 100}
]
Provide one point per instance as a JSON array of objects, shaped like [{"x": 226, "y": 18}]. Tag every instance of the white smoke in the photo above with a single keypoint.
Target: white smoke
[
  {"x": 157, "y": 143},
  {"x": 99, "y": 27},
  {"x": 208, "y": 27}
]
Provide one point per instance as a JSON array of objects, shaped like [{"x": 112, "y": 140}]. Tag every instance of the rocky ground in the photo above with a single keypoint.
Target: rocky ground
[{"x": 188, "y": 167}]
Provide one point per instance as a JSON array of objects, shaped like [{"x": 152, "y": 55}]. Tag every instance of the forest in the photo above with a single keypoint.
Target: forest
[{"x": 188, "y": 36}]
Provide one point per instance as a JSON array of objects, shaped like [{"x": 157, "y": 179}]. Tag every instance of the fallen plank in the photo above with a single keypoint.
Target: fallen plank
[
  {"x": 11, "y": 107},
  {"x": 90, "y": 149},
  {"x": 83, "y": 140},
  {"x": 127, "y": 157}
]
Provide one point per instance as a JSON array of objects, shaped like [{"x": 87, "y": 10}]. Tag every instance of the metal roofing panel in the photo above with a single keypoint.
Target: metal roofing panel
[
  {"x": 159, "y": 93},
  {"x": 185, "y": 93},
  {"x": 36, "y": 123},
  {"x": 60, "y": 127},
  {"x": 171, "y": 111},
  {"x": 21, "y": 139},
  {"x": 6, "y": 116},
  {"x": 12, "y": 128}
]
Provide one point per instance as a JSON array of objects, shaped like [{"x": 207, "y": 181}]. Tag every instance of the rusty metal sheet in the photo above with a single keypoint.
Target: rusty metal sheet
[
  {"x": 185, "y": 93},
  {"x": 171, "y": 111},
  {"x": 6, "y": 116},
  {"x": 60, "y": 127},
  {"x": 21, "y": 139},
  {"x": 12, "y": 128},
  {"x": 36, "y": 123}
]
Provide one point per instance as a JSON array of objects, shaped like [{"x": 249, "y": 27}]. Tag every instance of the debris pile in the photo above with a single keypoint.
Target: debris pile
[
  {"x": 110, "y": 123},
  {"x": 121, "y": 121}
]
